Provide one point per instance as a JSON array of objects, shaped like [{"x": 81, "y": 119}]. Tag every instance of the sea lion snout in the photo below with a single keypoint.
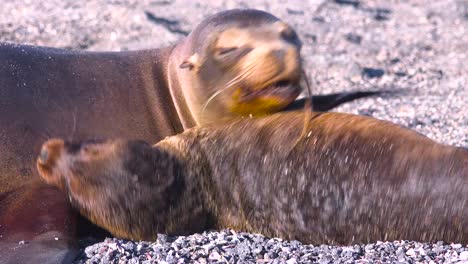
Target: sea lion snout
[
  {"x": 50, "y": 151},
  {"x": 49, "y": 155},
  {"x": 274, "y": 61}
]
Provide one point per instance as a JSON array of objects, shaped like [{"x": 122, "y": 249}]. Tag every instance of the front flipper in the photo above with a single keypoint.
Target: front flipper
[{"x": 323, "y": 103}]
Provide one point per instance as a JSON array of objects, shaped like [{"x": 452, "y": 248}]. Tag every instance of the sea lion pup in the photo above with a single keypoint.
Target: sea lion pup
[
  {"x": 235, "y": 62},
  {"x": 350, "y": 179}
]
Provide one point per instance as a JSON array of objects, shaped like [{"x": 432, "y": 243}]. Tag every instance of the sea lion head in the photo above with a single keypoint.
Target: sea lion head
[
  {"x": 116, "y": 183},
  {"x": 58, "y": 161},
  {"x": 240, "y": 62},
  {"x": 108, "y": 182}
]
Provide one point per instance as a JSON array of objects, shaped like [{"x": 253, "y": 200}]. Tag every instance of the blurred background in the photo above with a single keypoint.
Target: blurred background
[{"x": 417, "y": 46}]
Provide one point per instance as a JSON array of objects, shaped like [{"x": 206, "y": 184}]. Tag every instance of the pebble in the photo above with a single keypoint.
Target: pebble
[{"x": 464, "y": 255}]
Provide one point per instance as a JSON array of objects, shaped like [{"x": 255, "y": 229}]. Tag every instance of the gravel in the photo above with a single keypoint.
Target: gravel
[
  {"x": 227, "y": 246},
  {"x": 418, "y": 48}
]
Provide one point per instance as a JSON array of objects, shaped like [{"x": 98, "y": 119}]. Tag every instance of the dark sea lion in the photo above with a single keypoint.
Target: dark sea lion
[
  {"x": 235, "y": 62},
  {"x": 349, "y": 179}
]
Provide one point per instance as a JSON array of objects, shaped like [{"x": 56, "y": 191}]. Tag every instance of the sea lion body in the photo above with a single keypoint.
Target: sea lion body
[
  {"x": 147, "y": 94},
  {"x": 348, "y": 179}
]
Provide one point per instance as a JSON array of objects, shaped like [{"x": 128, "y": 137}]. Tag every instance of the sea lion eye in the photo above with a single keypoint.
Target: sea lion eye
[
  {"x": 224, "y": 51},
  {"x": 86, "y": 148},
  {"x": 90, "y": 150}
]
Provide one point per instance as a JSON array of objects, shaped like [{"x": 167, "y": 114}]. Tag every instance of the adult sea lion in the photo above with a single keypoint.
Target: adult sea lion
[
  {"x": 349, "y": 179},
  {"x": 235, "y": 62}
]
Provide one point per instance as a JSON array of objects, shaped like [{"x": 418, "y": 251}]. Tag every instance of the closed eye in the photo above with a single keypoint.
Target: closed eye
[
  {"x": 223, "y": 51},
  {"x": 90, "y": 150}
]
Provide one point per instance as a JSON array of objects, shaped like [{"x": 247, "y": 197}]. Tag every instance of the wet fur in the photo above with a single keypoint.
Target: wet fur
[{"x": 351, "y": 179}]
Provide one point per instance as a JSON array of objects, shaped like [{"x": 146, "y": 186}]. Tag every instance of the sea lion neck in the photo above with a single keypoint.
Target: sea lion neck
[
  {"x": 177, "y": 160},
  {"x": 220, "y": 200},
  {"x": 160, "y": 84},
  {"x": 185, "y": 149},
  {"x": 175, "y": 81}
]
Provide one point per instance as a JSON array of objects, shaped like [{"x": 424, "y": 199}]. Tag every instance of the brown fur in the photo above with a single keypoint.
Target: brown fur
[
  {"x": 350, "y": 179},
  {"x": 146, "y": 94}
]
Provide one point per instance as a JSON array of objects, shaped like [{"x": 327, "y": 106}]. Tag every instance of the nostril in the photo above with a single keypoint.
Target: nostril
[
  {"x": 290, "y": 36},
  {"x": 43, "y": 155},
  {"x": 287, "y": 34}
]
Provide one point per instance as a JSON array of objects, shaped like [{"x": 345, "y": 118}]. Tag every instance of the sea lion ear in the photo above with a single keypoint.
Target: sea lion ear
[{"x": 191, "y": 63}]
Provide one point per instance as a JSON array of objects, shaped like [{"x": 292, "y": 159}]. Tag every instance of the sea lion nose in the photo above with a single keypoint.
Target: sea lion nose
[
  {"x": 44, "y": 155},
  {"x": 50, "y": 151}
]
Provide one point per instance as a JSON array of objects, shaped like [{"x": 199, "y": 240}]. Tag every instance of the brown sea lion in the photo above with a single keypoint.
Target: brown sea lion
[
  {"x": 349, "y": 179},
  {"x": 235, "y": 62}
]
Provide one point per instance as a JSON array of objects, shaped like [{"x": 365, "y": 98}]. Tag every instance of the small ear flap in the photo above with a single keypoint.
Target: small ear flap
[
  {"x": 186, "y": 64},
  {"x": 190, "y": 63}
]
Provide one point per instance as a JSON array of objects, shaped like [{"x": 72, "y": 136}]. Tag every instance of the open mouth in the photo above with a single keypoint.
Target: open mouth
[{"x": 286, "y": 90}]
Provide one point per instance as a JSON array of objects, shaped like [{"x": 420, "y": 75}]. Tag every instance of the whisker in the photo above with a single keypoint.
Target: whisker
[
  {"x": 211, "y": 98},
  {"x": 44, "y": 135},
  {"x": 74, "y": 124},
  {"x": 53, "y": 102},
  {"x": 240, "y": 75},
  {"x": 232, "y": 82}
]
